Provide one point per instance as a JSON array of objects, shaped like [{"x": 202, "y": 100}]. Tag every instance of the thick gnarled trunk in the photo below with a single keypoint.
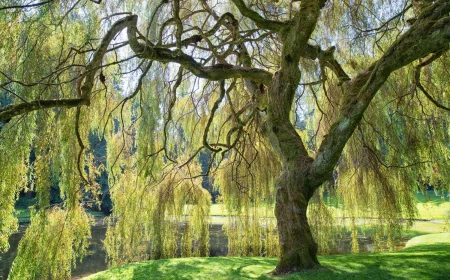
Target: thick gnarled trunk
[
  {"x": 297, "y": 246},
  {"x": 295, "y": 186}
]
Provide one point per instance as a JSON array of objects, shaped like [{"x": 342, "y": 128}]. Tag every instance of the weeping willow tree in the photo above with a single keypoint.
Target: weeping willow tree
[{"x": 292, "y": 100}]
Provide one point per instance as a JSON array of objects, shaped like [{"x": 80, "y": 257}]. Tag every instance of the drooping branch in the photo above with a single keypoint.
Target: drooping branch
[
  {"x": 211, "y": 118},
  {"x": 81, "y": 146},
  {"x": 429, "y": 34},
  {"x": 84, "y": 89},
  {"x": 165, "y": 55},
  {"x": 417, "y": 72},
  {"x": 173, "y": 98},
  {"x": 91, "y": 69}
]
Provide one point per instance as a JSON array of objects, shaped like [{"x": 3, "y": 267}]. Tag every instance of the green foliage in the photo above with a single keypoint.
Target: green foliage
[
  {"x": 13, "y": 178},
  {"x": 51, "y": 244},
  {"x": 148, "y": 219},
  {"x": 248, "y": 197},
  {"x": 156, "y": 127}
]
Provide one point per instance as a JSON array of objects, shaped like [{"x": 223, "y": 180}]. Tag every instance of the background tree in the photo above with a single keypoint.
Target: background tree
[{"x": 232, "y": 78}]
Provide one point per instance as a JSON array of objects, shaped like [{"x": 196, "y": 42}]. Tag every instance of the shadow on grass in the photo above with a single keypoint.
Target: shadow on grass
[
  {"x": 205, "y": 268},
  {"x": 432, "y": 197},
  {"x": 419, "y": 262}
]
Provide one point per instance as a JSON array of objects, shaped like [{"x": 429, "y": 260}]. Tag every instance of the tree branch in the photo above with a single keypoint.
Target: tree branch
[
  {"x": 213, "y": 73},
  {"x": 92, "y": 68},
  {"x": 26, "y": 6},
  {"x": 11, "y": 111},
  {"x": 429, "y": 34},
  {"x": 327, "y": 58},
  {"x": 165, "y": 55},
  {"x": 417, "y": 72},
  {"x": 211, "y": 117},
  {"x": 260, "y": 21}
]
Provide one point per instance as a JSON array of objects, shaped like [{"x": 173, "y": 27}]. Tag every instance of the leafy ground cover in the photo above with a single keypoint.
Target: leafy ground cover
[{"x": 427, "y": 257}]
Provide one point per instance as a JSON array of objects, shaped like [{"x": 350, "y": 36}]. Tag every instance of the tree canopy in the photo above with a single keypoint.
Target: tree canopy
[{"x": 289, "y": 102}]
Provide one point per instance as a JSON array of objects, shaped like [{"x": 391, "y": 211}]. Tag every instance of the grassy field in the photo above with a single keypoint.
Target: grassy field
[
  {"x": 427, "y": 257},
  {"x": 429, "y": 239}
]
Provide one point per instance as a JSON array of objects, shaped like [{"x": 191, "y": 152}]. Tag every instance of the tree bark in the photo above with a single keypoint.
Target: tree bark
[
  {"x": 301, "y": 175},
  {"x": 298, "y": 248}
]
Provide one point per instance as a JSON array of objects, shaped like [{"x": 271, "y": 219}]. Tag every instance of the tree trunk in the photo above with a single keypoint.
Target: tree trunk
[
  {"x": 295, "y": 186},
  {"x": 298, "y": 250}
]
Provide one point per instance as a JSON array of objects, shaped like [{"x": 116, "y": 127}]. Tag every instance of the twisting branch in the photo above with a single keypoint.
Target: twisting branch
[
  {"x": 173, "y": 98},
  {"x": 419, "y": 85},
  {"x": 86, "y": 81},
  {"x": 25, "y": 6},
  {"x": 165, "y": 55},
  {"x": 80, "y": 143},
  {"x": 85, "y": 89},
  {"x": 326, "y": 57},
  {"x": 260, "y": 21},
  {"x": 211, "y": 117},
  {"x": 244, "y": 57},
  {"x": 227, "y": 19}
]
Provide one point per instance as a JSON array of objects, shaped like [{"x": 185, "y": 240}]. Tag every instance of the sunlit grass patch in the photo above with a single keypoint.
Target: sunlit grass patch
[
  {"x": 422, "y": 261},
  {"x": 429, "y": 239}
]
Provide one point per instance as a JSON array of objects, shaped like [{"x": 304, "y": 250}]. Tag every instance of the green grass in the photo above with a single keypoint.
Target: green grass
[
  {"x": 23, "y": 215},
  {"x": 426, "y": 227},
  {"x": 95, "y": 214},
  {"x": 423, "y": 261},
  {"x": 434, "y": 211},
  {"x": 433, "y": 197},
  {"x": 429, "y": 239}
]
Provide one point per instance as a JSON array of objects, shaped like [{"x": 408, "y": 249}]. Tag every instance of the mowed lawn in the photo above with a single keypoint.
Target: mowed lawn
[{"x": 426, "y": 257}]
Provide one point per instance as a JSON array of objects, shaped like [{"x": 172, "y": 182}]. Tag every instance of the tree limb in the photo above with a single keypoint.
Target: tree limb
[
  {"x": 429, "y": 34},
  {"x": 327, "y": 58},
  {"x": 165, "y": 55},
  {"x": 417, "y": 72},
  {"x": 25, "y": 6},
  {"x": 211, "y": 117},
  {"x": 11, "y": 111},
  {"x": 260, "y": 21}
]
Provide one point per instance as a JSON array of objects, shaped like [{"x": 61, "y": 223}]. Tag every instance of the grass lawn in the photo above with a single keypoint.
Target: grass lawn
[
  {"x": 428, "y": 257},
  {"x": 23, "y": 215},
  {"x": 429, "y": 239}
]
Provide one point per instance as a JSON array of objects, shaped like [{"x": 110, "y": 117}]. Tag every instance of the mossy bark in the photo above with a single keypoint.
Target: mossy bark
[
  {"x": 295, "y": 187},
  {"x": 298, "y": 248},
  {"x": 302, "y": 175}
]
